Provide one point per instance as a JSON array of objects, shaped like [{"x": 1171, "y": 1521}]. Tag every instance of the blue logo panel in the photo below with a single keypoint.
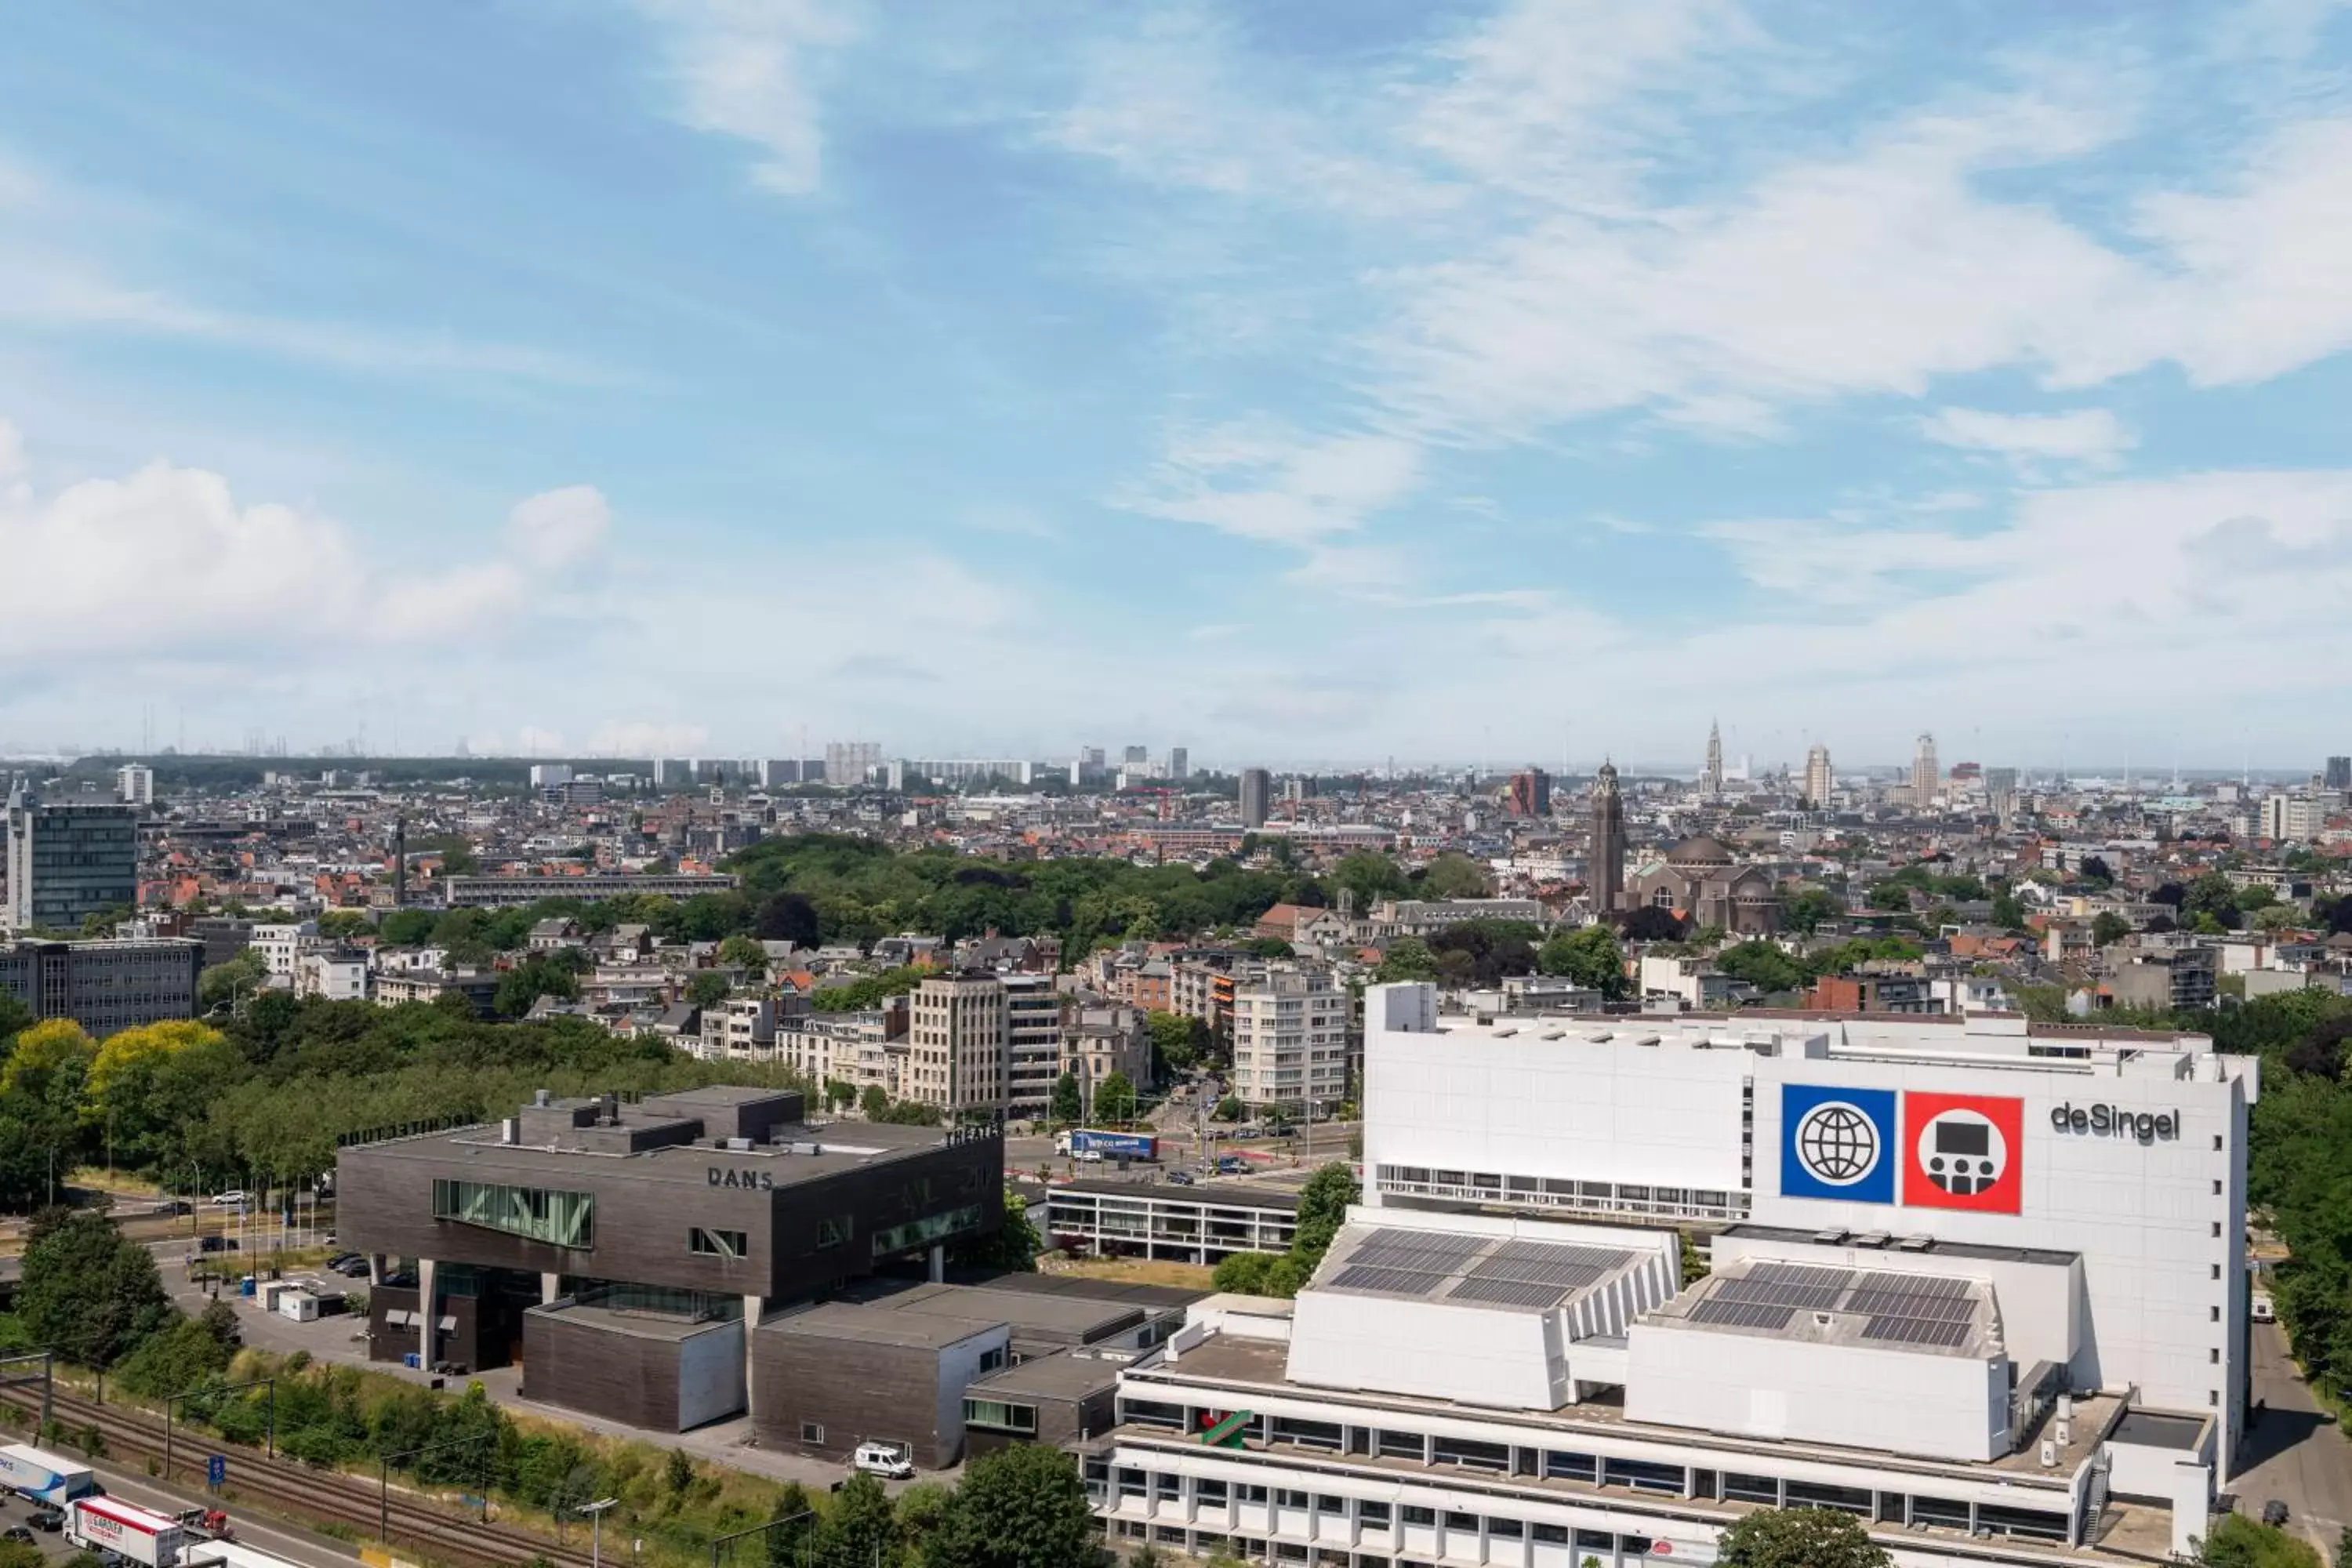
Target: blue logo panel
[{"x": 1837, "y": 1144}]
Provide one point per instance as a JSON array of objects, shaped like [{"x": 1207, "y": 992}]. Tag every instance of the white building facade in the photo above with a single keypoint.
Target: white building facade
[{"x": 1980, "y": 1285}]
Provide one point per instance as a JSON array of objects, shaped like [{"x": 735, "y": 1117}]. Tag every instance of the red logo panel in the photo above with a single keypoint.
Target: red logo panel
[{"x": 1963, "y": 1152}]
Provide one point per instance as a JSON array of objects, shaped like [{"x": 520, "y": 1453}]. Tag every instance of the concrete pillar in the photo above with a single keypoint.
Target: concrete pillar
[
  {"x": 751, "y": 1306},
  {"x": 939, "y": 1263},
  {"x": 428, "y": 1304},
  {"x": 375, "y": 1269},
  {"x": 551, "y": 1285}
]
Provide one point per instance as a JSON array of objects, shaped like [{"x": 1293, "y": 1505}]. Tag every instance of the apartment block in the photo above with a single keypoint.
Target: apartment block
[
  {"x": 1033, "y": 1042},
  {"x": 1290, "y": 1040},
  {"x": 957, "y": 1044}
]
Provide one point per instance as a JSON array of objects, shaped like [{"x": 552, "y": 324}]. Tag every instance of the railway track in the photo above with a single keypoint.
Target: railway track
[{"x": 302, "y": 1493}]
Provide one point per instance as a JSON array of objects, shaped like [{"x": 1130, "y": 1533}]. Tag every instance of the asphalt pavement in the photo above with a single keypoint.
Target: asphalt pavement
[{"x": 2296, "y": 1452}]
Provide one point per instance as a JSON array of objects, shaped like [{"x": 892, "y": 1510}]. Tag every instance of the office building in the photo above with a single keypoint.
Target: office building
[
  {"x": 1604, "y": 870},
  {"x": 956, "y": 1043},
  {"x": 1136, "y": 757},
  {"x": 2338, "y": 776},
  {"x": 1257, "y": 791},
  {"x": 70, "y": 859},
  {"x": 1978, "y": 1283},
  {"x": 1182, "y": 1225},
  {"x": 134, "y": 784},
  {"x": 104, "y": 985},
  {"x": 1528, "y": 793},
  {"x": 1180, "y": 764},
  {"x": 2001, "y": 791},
  {"x": 672, "y": 773},
  {"x": 1820, "y": 781},
  {"x": 1923, "y": 774},
  {"x": 1033, "y": 1042},
  {"x": 549, "y": 775},
  {"x": 627, "y": 1250},
  {"x": 1290, "y": 1040}
]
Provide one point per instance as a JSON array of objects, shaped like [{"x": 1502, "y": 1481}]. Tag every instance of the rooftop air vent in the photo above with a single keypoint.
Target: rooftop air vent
[
  {"x": 1829, "y": 1237},
  {"x": 1878, "y": 1238},
  {"x": 740, "y": 1146},
  {"x": 1916, "y": 1243}
]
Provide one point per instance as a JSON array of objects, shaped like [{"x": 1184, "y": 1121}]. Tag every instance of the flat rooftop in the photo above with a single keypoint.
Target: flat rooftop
[
  {"x": 1225, "y": 1360},
  {"x": 1855, "y": 1308},
  {"x": 798, "y": 1153},
  {"x": 668, "y": 1327},
  {"x": 1058, "y": 1374},
  {"x": 1456, "y": 1268},
  {"x": 1892, "y": 1244},
  {"x": 864, "y": 1324},
  {"x": 1211, "y": 1195},
  {"x": 1035, "y": 1315}
]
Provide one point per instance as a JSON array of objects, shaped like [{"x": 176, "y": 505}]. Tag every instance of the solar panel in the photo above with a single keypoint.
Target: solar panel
[
  {"x": 1507, "y": 1293},
  {"x": 1775, "y": 1293},
  {"x": 1388, "y": 1281},
  {"x": 1936, "y": 1287},
  {"x": 1436, "y": 1254},
  {"x": 1773, "y": 1271},
  {"x": 1542, "y": 1263},
  {"x": 1883, "y": 1303},
  {"x": 1916, "y": 1331},
  {"x": 1742, "y": 1314}
]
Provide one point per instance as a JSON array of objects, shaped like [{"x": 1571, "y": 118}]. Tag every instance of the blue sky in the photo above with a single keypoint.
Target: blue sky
[{"x": 1307, "y": 384}]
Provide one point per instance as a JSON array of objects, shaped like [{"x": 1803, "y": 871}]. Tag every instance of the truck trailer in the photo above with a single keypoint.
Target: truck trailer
[
  {"x": 1110, "y": 1145},
  {"x": 44, "y": 1477},
  {"x": 136, "y": 1534}
]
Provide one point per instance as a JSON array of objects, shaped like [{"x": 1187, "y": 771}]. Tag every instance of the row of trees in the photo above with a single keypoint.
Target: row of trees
[
  {"x": 1322, "y": 1208},
  {"x": 263, "y": 1097}
]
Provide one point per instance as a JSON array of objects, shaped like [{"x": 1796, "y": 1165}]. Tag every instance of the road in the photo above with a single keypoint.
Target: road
[
  {"x": 2296, "y": 1453},
  {"x": 293, "y": 1544}
]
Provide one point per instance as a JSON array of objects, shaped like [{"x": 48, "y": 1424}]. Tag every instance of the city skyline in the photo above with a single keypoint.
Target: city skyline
[{"x": 658, "y": 376}]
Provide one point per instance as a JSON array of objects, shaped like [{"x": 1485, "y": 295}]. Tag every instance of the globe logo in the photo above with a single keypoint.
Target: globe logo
[{"x": 1837, "y": 1144}]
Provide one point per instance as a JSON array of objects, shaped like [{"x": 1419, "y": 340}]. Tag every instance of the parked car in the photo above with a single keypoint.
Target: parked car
[
  {"x": 211, "y": 1244},
  {"x": 1180, "y": 1178},
  {"x": 887, "y": 1461},
  {"x": 1088, "y": 1156},
  {"x": 51, "y": 1519},
  {"x": 1231, "y": 1165},
  {"x": 2274, "y": 1512},
  {"x": 16, "y": 1532},
  {"x": 236, "y": 1197}
]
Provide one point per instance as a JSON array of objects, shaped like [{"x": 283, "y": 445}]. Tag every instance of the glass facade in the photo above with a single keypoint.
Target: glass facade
[
  {"x": 539, "y": 1213},
  {"x": 923, "y": 1232},
  {"x": 1000, "y": 1416}
]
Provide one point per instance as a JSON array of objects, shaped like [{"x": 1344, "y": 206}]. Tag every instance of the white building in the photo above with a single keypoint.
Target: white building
[
  {"x": 1290, "y": 1039},
  {"x": 339, "y": 974},
  {"x": 134, "y": 784},
  {"x": 1033, "y": 1042},
  {"x": 1978, "y": 1284},
  {"x": 956, "y": 1043},
  {"x": 280, "y": 944},
  {"x": 549, "y": 775}
]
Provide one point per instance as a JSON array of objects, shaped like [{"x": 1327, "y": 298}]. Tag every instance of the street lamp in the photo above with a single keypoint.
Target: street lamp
[{"x": 595, "y": 1513}]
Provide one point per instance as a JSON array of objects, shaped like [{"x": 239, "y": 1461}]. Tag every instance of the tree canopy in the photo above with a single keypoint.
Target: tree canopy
[{"x": 1800, "y": 1538}]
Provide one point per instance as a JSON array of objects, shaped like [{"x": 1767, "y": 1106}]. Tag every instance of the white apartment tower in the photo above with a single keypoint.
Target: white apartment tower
[
  {"x": 1033, "y": 1042},
  {"x": 956, "y": 1043},
  {"x": 1290, "y": 1040},
  {"x": 1819, "y": 780},
  {"x": 134, "y": 784}
]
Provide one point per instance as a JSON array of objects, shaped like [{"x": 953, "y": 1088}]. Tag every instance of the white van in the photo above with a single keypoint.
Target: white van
[
  {"x": 887, "y": 1461},
  {"x": 2263, "y": 1310}
]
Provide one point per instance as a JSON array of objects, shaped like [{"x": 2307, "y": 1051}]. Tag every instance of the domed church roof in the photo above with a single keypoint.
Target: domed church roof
[{"x": 1699, "y": 851}]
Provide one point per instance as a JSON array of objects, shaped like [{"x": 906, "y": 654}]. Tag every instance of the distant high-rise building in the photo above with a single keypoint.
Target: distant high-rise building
[
  {"x": 1136, "y": 757},
  {"x": 1090, "y": 756},
  {"x": 1180, "y": 764},
  {"x": 1529, "y": 793},
  {"x": 1257, "y": 791},
  {"x": 68, "y": 859},
  {"x": 1711, "y": 777},
  {"x": 1924, "y": 776},
  {"x": 672, "y": 773},
  {"x": 549, "y": 775},
  {"x": 2338, "y": 776},
  {"x": 1604, "y": 871},
  {"x": 2001, "y": 791},
  {"x": 134, "y": 784},
  {"x": 1820, "y": 781},
  {"x": 848, "y": 762}
]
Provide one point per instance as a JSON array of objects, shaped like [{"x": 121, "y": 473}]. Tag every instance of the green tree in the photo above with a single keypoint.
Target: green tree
[
  {"x": 88, "y": 1290},
  {"x": 341, "y": 925},
  {"x": 186, "y": 1355},
  {"x": 744, "y": 952},
  {"x": 1762, "y": 966},
  {"x": 2107, "y": 928},
  {"x": 793, "y": 1520},
  {"x": 1590, "y": 956},
  {"x": 875, "y": 1101},
  {"x": 2238, "y": 1542},
  {"x": 1068, "y": 1103},
  {"x": 1022, "y": 1506},
  {"x": 1800, "y": 1538},
  {"x": 1259, "y": 1274},
  {"x": 707, "y": 988},
  {"x": 1453, "y": 876},
  {"x": 1176, "y": 1040},
  {"x": 1807, "y": 909},
  {"x": 1229, "y": 1108},
  {"x": 1407, "y": 958},
  {"x": 405, "y": 928},
  {"x": 1015, "y": 1244},
  {"x": 222, "y": 983},
  {"x": 859, "y": 1530},
  {"x": 1115, "y": 1099},
  {"x": 536, "y": 976},
  {"x": 1322, "y": 1208}
]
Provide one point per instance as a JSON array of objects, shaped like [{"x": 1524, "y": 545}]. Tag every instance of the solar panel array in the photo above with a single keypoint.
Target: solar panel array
[
  {"x": 1742, "y": 1314},
  {"x": 1533, "y": 1275},
  {"x": 1898, "y": 1309}
]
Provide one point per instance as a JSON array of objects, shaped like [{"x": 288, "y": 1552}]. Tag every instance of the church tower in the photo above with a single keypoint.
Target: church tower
[
  {"x": 1604, "y": 870},
  {"x": 1710, "y": 777}
]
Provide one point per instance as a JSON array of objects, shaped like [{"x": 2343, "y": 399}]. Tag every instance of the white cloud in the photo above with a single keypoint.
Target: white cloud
[
  {"x": 562, "y": 527},
  {"x": 159, "y": 563},
  {"x": 534, "y": 741},
  {"x": 743, "y": 69},
  {"x": 1266, "y": 482},
  {"x": 2093, "y": 438}
]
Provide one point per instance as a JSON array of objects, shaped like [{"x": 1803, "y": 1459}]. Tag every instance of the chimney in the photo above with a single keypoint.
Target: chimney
[{"x": 539, "y": 1096}]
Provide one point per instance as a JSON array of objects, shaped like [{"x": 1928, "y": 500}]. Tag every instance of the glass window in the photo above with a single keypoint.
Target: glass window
[
  {"x": 1373, "y": 1514},
  {"x": 833, "y": 1231},
  {"x": 922, "y": 1232},
  {"x": 1250, "y": 1493},
  {"x": 1570, "y": 1467},
  {"x": 812, "y": 1432},
  {"x": 1467, "y": 1522},
  {"x": 1401, "y": 1445},
  {"x": 1551, "y": 1534},
  {"x": 1168, "y": 1487},
  {"x": 1857, "y": 1501},
  {"x": 1643, "y": 1476},
  {"x": 1420, "y": 1515},
  {"x": 1285, "y": 1498},
  {"x": 1470, "y": 1455},
  {"x": 1739, "y": 1488},
  {"x": 541, "y": 1214},
  {"x": 1210, "y": 1492},
  {"x": 1309, "y": 1434},
  {"x": 2030, "y": 1523},
  {"x": 1505, "y": 1529},
  {"x": 1000, "y": 1416},
  {"x": 712, "y": 1243},
  {"x": 1330, "y": 1505},
  {"x": 1945, "y": 1513},
  {"x": 1153, "y": 1412}
]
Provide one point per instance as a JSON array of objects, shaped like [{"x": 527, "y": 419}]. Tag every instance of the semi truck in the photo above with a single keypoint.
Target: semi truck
[
  {"x": 1107, "y": 1145},
  {"x": 44, "y": 1477},
  {"x": 135, "y": 1534}
]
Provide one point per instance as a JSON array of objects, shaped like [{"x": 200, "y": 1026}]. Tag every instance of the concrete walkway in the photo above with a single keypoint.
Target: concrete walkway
[{"x": 2294, "y": 1453}]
